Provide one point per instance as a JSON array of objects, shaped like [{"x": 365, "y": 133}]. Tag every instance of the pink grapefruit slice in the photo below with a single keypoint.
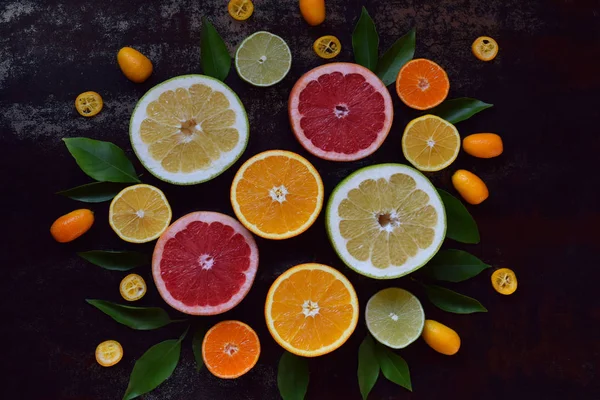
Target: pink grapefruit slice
[
  {"x": 204, "y": 263},
  {"x": 340, "y": 111}
]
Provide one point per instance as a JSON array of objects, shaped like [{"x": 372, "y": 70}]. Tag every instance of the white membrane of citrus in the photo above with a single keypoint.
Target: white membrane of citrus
[
  {"x": 189, "y": 129},
  {"x": 398, "y": 224}
]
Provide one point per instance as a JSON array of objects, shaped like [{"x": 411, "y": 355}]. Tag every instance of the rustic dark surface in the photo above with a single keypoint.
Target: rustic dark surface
[{"x": 541, "y": 219}]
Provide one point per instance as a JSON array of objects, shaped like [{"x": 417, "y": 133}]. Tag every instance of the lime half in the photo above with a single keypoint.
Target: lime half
[
  {"x": 263, "y": 59},
  {"x": 395, "y": 317}
]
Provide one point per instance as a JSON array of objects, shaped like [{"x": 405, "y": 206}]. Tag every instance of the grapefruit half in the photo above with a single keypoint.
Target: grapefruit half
[
  {"x": 204, "y": 263},
  {"x": 340, "y": 111}
]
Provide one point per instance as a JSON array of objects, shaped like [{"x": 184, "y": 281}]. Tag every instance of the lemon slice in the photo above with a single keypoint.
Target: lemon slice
[
  {"x": 386, "y": 220},
  {"x": 189, "y": 129},
  {"x": 263, "y": 59},
  {"x": 430, "y": 143},
  {"x": 139, "y": 213}
]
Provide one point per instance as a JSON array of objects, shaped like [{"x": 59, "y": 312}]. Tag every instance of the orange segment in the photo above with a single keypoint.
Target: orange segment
[
  {"x": 422, "y": 84},
  {"x": 277, "y": 194},
  {"x": 311, "y": 310},
  {"x": 230, "y": 349}
]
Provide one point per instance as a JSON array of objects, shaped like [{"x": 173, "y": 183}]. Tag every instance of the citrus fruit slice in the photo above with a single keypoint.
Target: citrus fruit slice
[
  {"x": 189, "y": 129},
  {"x": 139, "y": 213},
  {"x": 132, "y": 287},
  {"x": 240, "y": 10},
  {"x": 504, "y": 281},
  {"x": 205, "y": 263},
  {"x": 108, "y": 353},
  {"x": 327, "y": 46},
  {"x": 311, "y": 310},
  {"x": 430, "y": 143},
  {"x": 230, "y": 349},
  {"x": 395, "y": 317},
  {"x": 277, "y": 194},
  {"x": 340, "y": 111},
  {"x": 386, "y": 220},
  {"x": 263, "y": 59},
  {"x": 422, "y": 84},
  {"x": 88, "y": 104},
  {"x": 485, "y": 48}
]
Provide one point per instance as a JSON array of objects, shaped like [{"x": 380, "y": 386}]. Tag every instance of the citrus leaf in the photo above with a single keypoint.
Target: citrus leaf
[
  {"x": 154, "y": 367},
  {"x": 368, "y": 366},
  {"x": 140, "y": 318},
  {"x": 454, "y": 266},
  {"x": 399, "y": 54},
  {"x": 394, "y": 368},
  {"x": 460, "y": 224},
  {"x": 292, "y": 376},
  {"x": 460, "y": 109},
  {"x": 451, "y": 301},
  {"x": 95, "y": 192},
  {"x": 116, "y": 260},
  {"x": 197, "y": 346},
  {"x": 365, "y": 41},
  {"x": 215, "y": 58},
  {"x": 102, "y": 161}
]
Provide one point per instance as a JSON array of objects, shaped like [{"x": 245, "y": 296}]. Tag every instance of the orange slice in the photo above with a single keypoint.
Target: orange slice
[
  {"x": 230, "y": 349},
  {"x": 277, "y": 194},
  {"x": 108, "y": 353},
  {"x": 311, "y": 310},
  {"x": 422, "y": 84}
]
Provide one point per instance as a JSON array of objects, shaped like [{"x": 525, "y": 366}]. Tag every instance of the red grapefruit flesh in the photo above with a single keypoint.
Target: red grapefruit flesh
[
  {"x": 340, "y": 111},
  {"x": 204, "y": 263}
]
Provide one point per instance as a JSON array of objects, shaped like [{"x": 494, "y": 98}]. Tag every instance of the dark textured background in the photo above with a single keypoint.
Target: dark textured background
[{"x": 541, "y": 219}]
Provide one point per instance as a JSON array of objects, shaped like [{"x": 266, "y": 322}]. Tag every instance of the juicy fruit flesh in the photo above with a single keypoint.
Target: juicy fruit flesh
[
  {"x": 431, "y": 142},
  {"x": 422, "y": 84},
  {"x": 341, "y": 113},
  {"x": 230, "y": 349},
  {"x": 387, "y": 221},
  {"x": 187, "y": 130},
  {"x": 205, "y": 264},
  {"x": 263, "y": 59},
  {"x": 140, "y": 213}
]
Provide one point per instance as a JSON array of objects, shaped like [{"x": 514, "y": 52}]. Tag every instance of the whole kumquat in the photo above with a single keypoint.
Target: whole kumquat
[
  {"x": 441, "y": 338},
  {"x": 135, "y": 66},
  {"x": 483, "y": 145},
  {"x": 470, "y": 186},
  {"x": 313, "y": 11},
  {"x": 72, "y": 225}
]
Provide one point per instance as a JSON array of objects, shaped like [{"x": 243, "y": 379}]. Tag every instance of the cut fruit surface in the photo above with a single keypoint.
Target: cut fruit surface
[
  {"x": 132, "y": 287},
  {"x": 311, "y": 310},
  {"x": 386, "y": 220},
  {"x": 277, "y": 194},
  {"x": 340, "y": 111},
  {"x": 230, "y": 349},
  {"x": 205, "y": 263},
  {"x": 89, "y": 104},
  {"x": 109, "y": 353},
  {"x": 430, "y": 143},
  {"x": 395, "y": 317},
  {"x": 139, "y": 213},
  {"x": 263, "y": 59},
  {"x": 189, "y": 129},
  {"x": 422, "y": 84}
]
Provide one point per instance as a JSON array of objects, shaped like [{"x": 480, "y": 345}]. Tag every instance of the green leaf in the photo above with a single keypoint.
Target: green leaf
[
  {"x": 292, "y": 377},
  {"x": 365, "y": 41},
  {"x": 102, "y": 161},
  {"x": 215, "y": 57},
  {"x": 399, "y": 54},
  {"x": 454, "y": 266},
  {"x": 154, "y": 367},
  {"x": 140, "y": 318},
  {"x": 394, "y": 368},
  {"x": 460, "y": 109},
  {"x": 460, "y": 224},
  {"x": 451, "y": 301},
  {"x": 197, "y": 346},
  {"x": 95, "y": 192},
  {"x": 116, "y": 260},
  {"x": 368, "y": 366}
]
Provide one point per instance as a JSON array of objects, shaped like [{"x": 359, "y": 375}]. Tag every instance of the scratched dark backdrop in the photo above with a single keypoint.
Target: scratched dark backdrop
[{"x": 541, "y": 219}]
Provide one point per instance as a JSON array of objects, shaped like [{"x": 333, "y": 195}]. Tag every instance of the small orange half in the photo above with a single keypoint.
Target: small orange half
[
  {"x": 230, "y": 349},
  {"x": 422, "y": 84},
  {"x": 277, "y": 194},
  {"x": 311, "y": 310}
]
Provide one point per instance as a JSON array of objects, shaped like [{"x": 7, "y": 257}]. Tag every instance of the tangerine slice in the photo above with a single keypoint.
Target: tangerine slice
[
  {"x": 422, "y": 84},
  {"x": 89, "y": 104}
]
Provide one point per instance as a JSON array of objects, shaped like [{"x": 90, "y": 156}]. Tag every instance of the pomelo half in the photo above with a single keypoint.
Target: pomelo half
[
  {"x": 340, "y": 111},
  {"x": 204, "y": 263}
]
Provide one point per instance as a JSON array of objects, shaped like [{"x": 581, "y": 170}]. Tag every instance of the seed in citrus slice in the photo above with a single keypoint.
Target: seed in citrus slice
[
  {"x": 230, "y": 349},
  {"x": 422, "y": 84},
  {"x": 189, "y": 129},
  {"x": 311, "y": 310},
  {"x": 277, "y": 194},
  {"x": 395, "y": 317},
  {"x": 132, "y": 287},
  {"x": 340, "y": 111},
  {"x": 205, "y": 263},
  {"x": 385, "y": 221},
  {"x": 139, "y": 213},
  {"x": 263, "y": 59},
  {"x": 109, "y": 353},
  {"x": 430, "y": 143}
]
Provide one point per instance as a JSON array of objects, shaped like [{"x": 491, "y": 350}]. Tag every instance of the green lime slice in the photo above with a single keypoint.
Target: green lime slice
[
  {"x": 263, "y": 59},
  {"x": 395, "y": 317}
]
